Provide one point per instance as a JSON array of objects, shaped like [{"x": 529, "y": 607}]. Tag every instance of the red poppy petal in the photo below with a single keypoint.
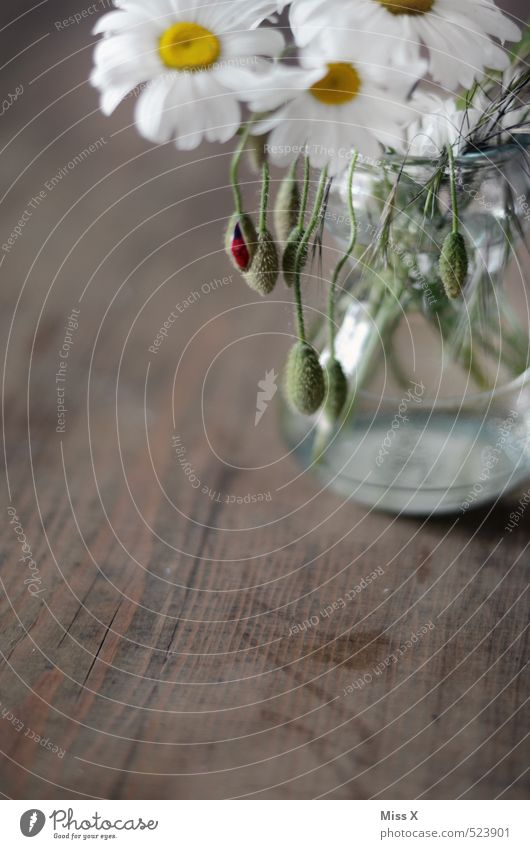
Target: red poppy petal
[{"x": 239, "y": 250}]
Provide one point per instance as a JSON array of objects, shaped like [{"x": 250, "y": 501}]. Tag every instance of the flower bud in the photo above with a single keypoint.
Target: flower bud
[
  {"x": 240, "y": 242},
  {"x": 304, "y": 379},
  {"x": 287, "y": 207},
  {"x": 265, "y": 267},
  {"x": 337, "y": 389},
  {"x": 289, "y": 256},
  {"x": 454, "y": 264}
]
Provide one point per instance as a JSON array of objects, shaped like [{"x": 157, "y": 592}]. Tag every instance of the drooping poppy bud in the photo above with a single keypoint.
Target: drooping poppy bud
[
  {"x": 263, "y": 272},
  {"x": 337, "y": 386},
  {"x": 454, "y": 264},
  {"x": 304, "y": 379},
  {"x": 287, "y": 207},
  {"x": 289, "y": 256},
  {"x": 240, "y": 242}
]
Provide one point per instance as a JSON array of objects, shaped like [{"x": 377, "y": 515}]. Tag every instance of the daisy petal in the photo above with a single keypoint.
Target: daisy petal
[{"x": 153, "y": 110}]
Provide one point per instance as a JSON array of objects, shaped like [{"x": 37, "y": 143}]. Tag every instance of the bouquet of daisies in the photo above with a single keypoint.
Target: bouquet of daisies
[{"x": 321, "y": 87}]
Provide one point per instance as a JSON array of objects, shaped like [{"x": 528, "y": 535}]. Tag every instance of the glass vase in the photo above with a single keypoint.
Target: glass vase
[{"x": 437, "y": 418}]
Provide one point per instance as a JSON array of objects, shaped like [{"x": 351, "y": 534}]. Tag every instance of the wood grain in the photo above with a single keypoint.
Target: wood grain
[{"x": 162, "y": 655}]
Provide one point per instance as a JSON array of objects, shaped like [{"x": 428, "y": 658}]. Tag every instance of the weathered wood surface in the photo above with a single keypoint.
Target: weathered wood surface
[{"x": 159, "y": 655}]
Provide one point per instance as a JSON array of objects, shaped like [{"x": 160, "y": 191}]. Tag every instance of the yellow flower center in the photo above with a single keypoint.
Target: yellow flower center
[
  {"x": 187, "y": 46},
  {"x": 408, "y": 7},
  {"x": 341, "y": 84}
]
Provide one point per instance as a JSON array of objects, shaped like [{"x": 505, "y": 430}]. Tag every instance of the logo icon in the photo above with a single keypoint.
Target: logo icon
[
  {"x": 32, "y": 822},
  {"x": 267, "y": 390}
]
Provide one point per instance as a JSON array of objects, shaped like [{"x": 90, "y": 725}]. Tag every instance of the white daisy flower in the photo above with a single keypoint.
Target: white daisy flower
[
  {"x": 191, "y": 54},
  {"x": 442, "y": 123},
  {"x": 457, "y": 33},
  {"x": 326, "y": 109}
]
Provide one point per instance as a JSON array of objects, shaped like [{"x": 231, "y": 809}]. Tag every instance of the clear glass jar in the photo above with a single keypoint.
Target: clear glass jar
[{"x": 438, "y": 414}]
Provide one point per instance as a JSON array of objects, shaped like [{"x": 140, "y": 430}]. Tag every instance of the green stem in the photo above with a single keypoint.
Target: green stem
[
  {"x": 513, "y": 336},
  {"x": 234, "y": 169},
  {"x": 392, "y": 357},
  {"x": 305, "y": 192},
  {"x": 462, "y": 351},
  {"x": 452, "y": 179},
  {"x": 470, "y": 364},
  {"x": 302, "y": 248},
  {"x": 389, "y": 309},
  {"x": 264, "y": 203},
  {"x": 344, "y": 259}
]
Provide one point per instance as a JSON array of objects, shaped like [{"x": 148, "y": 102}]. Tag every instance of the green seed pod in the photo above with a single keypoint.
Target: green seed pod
[
  {"x": 454, "y": 264},
  {"x": 240, "y": 241},
  {"x": 289, "y": 256},
  {"x": 287, "y": 207},
  {"x": 305, "y": 384},
  {"x": 337, "y": 389},
  {"x": 265, "y": 267}
]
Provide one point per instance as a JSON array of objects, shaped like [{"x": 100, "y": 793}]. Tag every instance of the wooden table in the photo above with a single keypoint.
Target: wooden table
[{"x": 152, "y": 630}]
